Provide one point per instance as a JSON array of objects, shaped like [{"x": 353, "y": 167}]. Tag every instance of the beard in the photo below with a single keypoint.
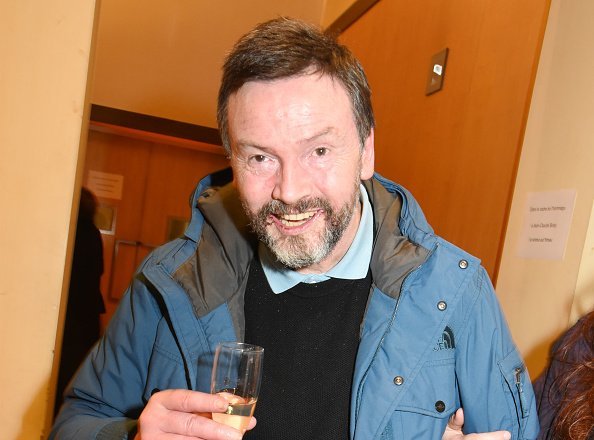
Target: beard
[{"x": 300, "y": 251}]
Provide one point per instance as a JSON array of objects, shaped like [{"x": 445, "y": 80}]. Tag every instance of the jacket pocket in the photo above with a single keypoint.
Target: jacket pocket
[
  {"x": 516, "y": 379},
  {"x": 429, "y": 401},
  {"x": 434, "y": 390}
]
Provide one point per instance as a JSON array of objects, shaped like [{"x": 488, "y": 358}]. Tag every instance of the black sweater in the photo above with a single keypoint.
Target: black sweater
[{"x": 310, "y": 336}]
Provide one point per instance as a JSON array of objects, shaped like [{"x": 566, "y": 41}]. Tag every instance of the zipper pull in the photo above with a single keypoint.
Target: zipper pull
[{"x": 518, "y": 378}]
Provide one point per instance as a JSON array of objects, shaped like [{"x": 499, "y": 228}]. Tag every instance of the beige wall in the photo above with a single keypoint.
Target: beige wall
[
  {"x": 558, "y": 153},
  {"x": 44, "y": 53},
  {"x": 164, "y": 58}
]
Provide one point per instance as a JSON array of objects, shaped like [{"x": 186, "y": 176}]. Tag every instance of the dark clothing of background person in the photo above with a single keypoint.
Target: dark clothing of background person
[
  {"x": 566, "y": 387},
  {"x": 85, "y": 303}
]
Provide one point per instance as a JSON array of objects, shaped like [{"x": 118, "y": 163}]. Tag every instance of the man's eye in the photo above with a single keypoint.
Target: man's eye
[
  {"x": 259, "y": 158},
  {"x": 322, "y": 151}
]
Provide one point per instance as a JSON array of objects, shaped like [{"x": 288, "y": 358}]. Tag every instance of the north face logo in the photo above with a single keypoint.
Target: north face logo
[{"x": 446, "y": 342}]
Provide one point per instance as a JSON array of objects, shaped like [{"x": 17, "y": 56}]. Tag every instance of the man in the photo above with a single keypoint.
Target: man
[
  {"x": 373, "y": 327},
  {"x": 85, "y": 301}
]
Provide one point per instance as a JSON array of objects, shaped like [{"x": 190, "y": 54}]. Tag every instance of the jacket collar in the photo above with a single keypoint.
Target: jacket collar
[
  {"x": 401, "y": 242},
  {"x": 221, "y": 232}
]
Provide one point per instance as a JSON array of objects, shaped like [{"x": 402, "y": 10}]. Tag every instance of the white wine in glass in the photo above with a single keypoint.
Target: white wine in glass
[{"x": 236, "y": 375}]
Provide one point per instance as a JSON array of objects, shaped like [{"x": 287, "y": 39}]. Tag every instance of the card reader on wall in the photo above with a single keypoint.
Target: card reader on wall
[{"x": 437, "y": 72}]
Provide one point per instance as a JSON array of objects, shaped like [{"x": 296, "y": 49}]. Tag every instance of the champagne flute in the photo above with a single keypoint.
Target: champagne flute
[{"x": 236, "y": 375}]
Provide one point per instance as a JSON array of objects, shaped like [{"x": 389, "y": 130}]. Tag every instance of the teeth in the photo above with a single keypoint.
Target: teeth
[
  {"x": 295, "y": 219},
  {"x": 298, "y": 217}
]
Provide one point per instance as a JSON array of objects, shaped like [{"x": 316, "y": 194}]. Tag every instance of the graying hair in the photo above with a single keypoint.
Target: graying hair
[{"x": 284, "y": 47}]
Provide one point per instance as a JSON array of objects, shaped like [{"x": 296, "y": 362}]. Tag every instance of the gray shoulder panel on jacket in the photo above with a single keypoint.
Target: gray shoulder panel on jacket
[{"x": 216, "y": 272}]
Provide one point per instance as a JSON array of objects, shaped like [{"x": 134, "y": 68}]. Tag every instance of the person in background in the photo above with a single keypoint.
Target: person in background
[
  {"x": 85, "y": 302},
  {"x": 565, "y": 389},
  {"x": 374, "y": 327}
]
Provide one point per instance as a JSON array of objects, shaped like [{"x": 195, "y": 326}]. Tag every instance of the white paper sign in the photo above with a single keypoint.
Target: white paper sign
[
  {"x": 547, "y": 220},
  {"x": 105, "y": 185}
]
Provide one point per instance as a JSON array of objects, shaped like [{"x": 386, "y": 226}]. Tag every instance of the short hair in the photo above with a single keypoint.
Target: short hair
[
  {"x": 285, "y": 47},
  {"x": 88, "y": 204}
]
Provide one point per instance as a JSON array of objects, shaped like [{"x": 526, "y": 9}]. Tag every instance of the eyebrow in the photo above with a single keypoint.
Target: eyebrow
[
  {"x": 248, "y": 144},
  {"x": 322, "y": 133}
]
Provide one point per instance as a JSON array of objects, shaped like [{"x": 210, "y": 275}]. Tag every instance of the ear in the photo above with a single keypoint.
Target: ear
[{"x": 368, "y": 157}]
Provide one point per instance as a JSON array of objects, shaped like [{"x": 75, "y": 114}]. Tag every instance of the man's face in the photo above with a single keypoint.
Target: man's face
[{"x": 297, "y": 162}]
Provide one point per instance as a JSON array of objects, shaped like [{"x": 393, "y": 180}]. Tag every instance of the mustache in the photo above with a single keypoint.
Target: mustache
[{"x": 277, "y": 208}]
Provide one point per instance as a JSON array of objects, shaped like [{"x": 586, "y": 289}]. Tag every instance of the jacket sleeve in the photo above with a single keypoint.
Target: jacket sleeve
[
  {"x": 105, "y": 397},
  {"x": 495, "y": 388}
]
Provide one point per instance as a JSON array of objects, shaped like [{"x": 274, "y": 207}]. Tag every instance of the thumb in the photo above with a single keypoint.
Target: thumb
[{"x": 457, "y": 420}]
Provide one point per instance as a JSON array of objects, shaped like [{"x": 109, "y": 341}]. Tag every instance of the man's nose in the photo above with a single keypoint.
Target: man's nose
[{"x": 292, "y": 183}]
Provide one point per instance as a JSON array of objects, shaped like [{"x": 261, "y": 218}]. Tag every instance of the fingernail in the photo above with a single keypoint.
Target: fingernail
[{"x": 507, "y": 435}]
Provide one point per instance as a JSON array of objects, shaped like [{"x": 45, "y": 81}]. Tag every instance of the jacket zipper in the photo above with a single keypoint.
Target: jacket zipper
[{"x": 518, "y": 379}]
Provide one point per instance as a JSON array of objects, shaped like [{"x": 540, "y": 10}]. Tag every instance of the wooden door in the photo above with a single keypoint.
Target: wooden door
[
  {"x": 156, "y": 183},
  {"x": 457, "y": 150}
]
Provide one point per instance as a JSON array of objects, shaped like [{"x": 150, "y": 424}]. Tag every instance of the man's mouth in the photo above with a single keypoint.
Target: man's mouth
[{"x": 294, "y": 220}]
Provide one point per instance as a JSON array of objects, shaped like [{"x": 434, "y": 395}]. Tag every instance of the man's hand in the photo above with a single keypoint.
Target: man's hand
[
  {"x": 184, "y": 414},
  {"x": 454, "y": 430}
]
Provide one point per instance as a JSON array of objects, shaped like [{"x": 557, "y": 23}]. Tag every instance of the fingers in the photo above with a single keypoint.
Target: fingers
[
  {"x": 184, "y": 413},
  {"x": 495, "y": 435},
  {"x": 454, "y": 430},
  {"x": 195, "y": 426},
  {"x": 457, "y": 420},
  {"x": 190, "y": 401},
  {"x": 252, "y": 424}
]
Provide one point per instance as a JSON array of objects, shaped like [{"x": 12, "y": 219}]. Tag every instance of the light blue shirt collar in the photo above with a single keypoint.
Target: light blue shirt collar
[{"x": 354, "y": 265}]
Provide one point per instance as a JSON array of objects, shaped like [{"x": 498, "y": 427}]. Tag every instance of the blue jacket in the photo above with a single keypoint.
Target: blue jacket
[{"x": 433, "y": 337}]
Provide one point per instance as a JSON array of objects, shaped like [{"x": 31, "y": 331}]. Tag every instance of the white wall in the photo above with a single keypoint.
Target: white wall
[
  {"x": 538, "y": 295},
  {"x": 44, "y": 56}
]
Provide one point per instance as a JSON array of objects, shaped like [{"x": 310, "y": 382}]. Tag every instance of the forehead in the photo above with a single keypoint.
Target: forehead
[{"x": 295, "y": 102}]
